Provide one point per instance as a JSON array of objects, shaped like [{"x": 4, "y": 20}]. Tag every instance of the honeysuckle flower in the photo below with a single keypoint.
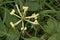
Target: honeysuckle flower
[{"x": 23, "y": 17}]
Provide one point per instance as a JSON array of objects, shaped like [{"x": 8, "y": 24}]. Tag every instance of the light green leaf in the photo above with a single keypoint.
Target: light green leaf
[
  {"x": 33, "y": 38},
  {"x": 2, "y": 29},
  {"x": 55, "y": 37},
  {"x": 51, "y": 26},
  {"x": 33, "y": 5},
  {"x": 58, "y": 27},
  {"x": 14, "y": 34}
]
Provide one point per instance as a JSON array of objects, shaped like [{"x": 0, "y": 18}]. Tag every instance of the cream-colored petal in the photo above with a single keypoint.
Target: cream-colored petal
[
  {"x": 12, "y": 25},
  {"x": 33, "y": 16},
  {"x": 25, "y": 8},
  {"x": 12, "y": 12},
  {"x": 35, "y": 22},
  {"x": 25, "y": 28}
]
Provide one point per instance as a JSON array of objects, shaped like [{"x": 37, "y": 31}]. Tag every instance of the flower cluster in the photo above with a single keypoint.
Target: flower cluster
[{"x": 23, "y": 17}]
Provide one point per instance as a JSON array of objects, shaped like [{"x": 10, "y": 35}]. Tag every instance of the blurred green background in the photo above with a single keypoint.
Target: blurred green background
[{"x": 49, "y": 20}]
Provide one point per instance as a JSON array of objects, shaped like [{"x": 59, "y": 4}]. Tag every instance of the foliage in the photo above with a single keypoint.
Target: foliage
[{"x": 49, "y": 20}]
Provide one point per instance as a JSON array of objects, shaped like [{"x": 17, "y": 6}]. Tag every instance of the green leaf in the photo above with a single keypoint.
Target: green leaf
[
  {"x": 50, "y": 27},
  {"x": 33, "y": 38},
  {"x": 55, "y": 37},
  {"x": 58, "y": 27},
  {"x": 33, "y": 5},
  {"x": 14, "y": 34},
  {"x": 2, "y": 29}
]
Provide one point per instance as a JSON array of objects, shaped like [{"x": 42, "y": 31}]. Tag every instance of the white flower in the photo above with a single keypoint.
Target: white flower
[{"x": 23, "y": 18}]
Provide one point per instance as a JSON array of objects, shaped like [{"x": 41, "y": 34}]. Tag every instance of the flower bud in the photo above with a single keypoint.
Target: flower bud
[
  {"x": 25, "y": 28},
  {"x": 35, "y": 15}
]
